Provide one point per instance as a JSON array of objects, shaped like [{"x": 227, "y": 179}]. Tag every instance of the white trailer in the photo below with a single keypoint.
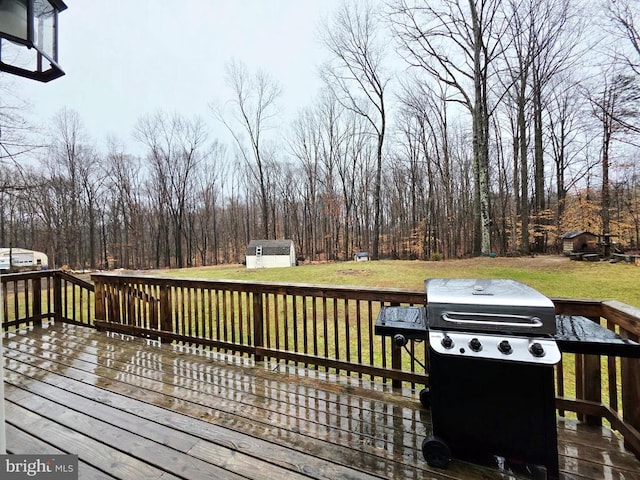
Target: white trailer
[{"x": 22, "y": 259}]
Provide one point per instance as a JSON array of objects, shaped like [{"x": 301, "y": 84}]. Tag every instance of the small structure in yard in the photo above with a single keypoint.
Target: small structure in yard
[
  {"x": 579, "y": 242},
  {"x": 22, "y": 259},
  {"x": 270, "y": 254},
  {"x": 361, "y": 256}
]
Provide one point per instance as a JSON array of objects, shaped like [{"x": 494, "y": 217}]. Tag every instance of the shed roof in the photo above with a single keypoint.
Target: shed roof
[
  {"x": 577, "y": 233},
  {"x": 270, "y": 247}
]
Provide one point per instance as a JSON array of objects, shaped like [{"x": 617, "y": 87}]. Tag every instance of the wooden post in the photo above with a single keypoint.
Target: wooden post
[
  {"x": 579, "y": 377},
  {"x": 57, "y": 298},
  {"x": 592, "y": 385},
  {"x": 258, "y": 320},
  {"x": 99, "y": 301},
  {"x": 36, "y": 288},
  {"x": 396, "y": 358},
  {"x": 396, "y": 363},
  {"x": 630, "y": 387},
  {"x": 589, "y": 382},
  {"x": 166, "y": 325}
]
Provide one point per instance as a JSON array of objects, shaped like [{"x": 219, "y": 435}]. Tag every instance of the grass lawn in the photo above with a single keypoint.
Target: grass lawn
[{"x": 554, "y": 276}]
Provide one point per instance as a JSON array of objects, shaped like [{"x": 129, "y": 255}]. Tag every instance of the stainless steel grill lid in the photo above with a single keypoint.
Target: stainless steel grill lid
[{"x": 488, "y": 305}]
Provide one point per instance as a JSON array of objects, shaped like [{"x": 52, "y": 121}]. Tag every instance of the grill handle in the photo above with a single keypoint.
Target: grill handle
[{"x": 466, "y": 318}]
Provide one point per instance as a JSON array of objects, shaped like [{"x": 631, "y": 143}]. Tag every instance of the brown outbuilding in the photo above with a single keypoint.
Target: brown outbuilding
[{"x": 579, "y": 242}]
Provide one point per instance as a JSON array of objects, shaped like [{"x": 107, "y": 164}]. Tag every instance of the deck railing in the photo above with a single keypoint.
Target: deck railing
[
  {"x": 31, "y": 297},
  {"x": 603, "y": 386},
  {"x": 316, "y": 326}
]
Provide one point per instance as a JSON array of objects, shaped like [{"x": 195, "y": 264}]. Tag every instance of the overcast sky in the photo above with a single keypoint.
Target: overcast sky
[{"x": 127, "y": 58}]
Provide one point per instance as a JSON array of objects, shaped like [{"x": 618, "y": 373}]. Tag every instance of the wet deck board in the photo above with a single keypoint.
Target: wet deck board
[{"x": 125, "y": 405}]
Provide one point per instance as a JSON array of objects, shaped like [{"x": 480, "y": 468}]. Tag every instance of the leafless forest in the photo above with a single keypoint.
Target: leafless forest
[{"x": 444, "y": 129}]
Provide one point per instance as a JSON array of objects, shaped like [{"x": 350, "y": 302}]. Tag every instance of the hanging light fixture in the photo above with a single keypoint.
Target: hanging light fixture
[{"x": 29, "y": 38}]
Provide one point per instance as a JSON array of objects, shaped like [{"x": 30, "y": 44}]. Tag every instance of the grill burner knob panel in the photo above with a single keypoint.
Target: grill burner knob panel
[
  {"x": 501, "y": 348},
  {"x": 505, "y": 347},
  {"x": 447, "y": 342},
  {"x": 537, "y": 350},
  {"x": 475, "y": 344}
]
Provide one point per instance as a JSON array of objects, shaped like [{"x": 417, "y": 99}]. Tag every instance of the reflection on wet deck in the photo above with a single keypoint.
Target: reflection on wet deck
[{"x": 131, "y": 408}]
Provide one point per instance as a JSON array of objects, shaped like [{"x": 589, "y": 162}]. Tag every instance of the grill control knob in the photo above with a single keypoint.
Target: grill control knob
[
  {"x": 505, "y": 347},
  {"x": 475, "y": 345},
  {"x": 536, "y": 349},
  {"x": 447, "y": 342}
]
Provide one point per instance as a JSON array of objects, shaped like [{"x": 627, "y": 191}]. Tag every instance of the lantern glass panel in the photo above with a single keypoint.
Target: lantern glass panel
[
  {"x": 13, "y": 19},
  {"x": 44, "y": 24}
]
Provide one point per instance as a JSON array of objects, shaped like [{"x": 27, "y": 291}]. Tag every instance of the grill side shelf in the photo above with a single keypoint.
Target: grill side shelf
[
  {"x": 577, "y": 334},
  {"x": 408, "y": 321}
]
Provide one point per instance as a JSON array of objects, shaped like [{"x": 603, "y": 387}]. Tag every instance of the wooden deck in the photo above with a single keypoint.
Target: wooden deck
[{"x": 133, "y": 409}]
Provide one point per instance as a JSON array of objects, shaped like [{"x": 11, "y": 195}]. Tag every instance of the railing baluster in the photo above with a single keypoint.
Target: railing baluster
[
  {"x": 296, "y": 322},
  {"x": 305, "y": 326},
  {"x": 336, "y": 330},
  {"x": 612, "y": 376},
  {"x": 325, "y": 323},
  {"x": 347, "y": 331},
  {"x": 314, "y": 328}
]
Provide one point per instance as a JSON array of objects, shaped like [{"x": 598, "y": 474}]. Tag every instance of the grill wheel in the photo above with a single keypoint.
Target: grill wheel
[{"x": 436, "y": 452}]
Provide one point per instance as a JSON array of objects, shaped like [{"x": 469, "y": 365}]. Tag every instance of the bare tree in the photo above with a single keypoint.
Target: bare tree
[
  {"x": 567, "y": 132},
  {"x": 457, "y": 44},
  {"x": 615, "y": 106},
  {"x": 253, "y": 111},
  {"x": 356, "y": 76},
  {"x": 16, "y": 133},
  {"x": 74, "y": 183},
  {"x": 305, "y": 145},
  {"x": 625, "y": 17},
  {"x": 123, "y": 216},
  {"x": 426, "y": 130},
  {"x": 175, "y": 149},
  {"x": 516, "y": 80},
  {"x": 210, "y": 184}
]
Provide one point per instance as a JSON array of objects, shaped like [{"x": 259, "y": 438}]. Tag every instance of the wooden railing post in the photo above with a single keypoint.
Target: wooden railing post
[
  {"x": 631, "y": 389},
  {"x": 396, "y": 363},
  {"x": 258, "y": 331},
  {"x": 57, "y": 298},
  {"x": 589, "y": 382},
  {"x": 99, "y": 302},
  {"x": 592, "y": 385},
  {"x": 396, "y": 358},
  {"x": 36, "y": 288},
  {"x": 165, "y": 309}
]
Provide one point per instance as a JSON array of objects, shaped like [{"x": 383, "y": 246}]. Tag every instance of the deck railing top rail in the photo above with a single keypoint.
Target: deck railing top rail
[{"x": 319, "y": 290}]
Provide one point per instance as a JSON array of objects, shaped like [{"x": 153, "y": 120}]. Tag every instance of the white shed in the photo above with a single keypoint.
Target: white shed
[
  {"x": 22, "y": 259},
  {"x": 270, "y": 253},
  {"x": 361, "y": 256}
]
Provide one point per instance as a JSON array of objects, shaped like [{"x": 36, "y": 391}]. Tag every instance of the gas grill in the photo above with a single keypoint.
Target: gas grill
[
  {"x": 491, "y": 379},
  {"x": 492, "y": 395}
]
